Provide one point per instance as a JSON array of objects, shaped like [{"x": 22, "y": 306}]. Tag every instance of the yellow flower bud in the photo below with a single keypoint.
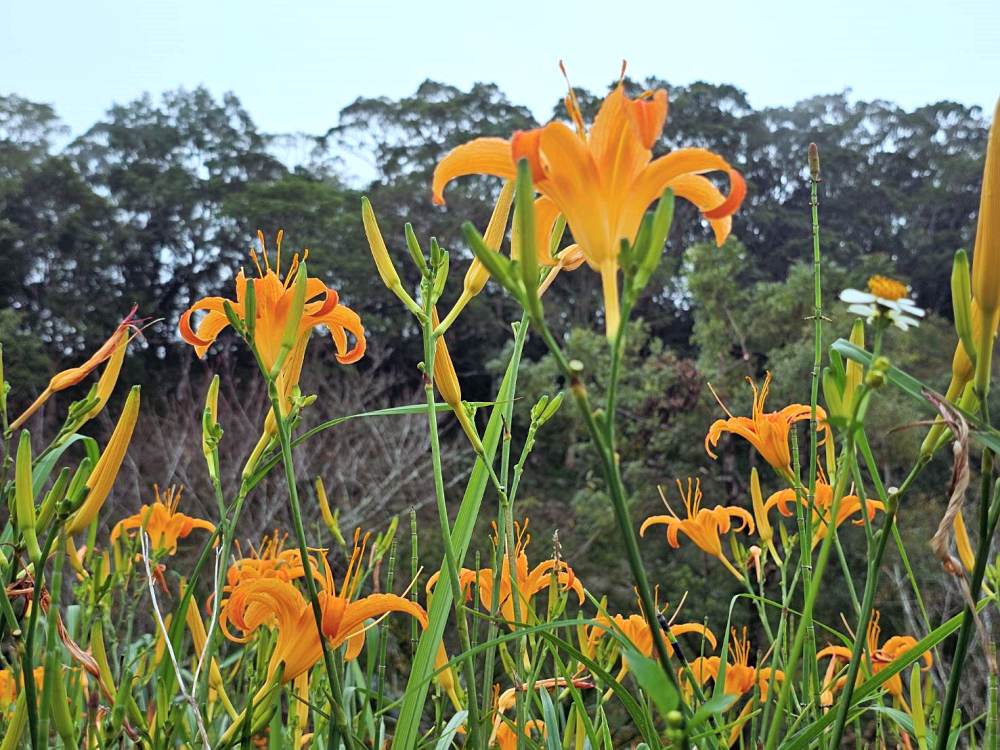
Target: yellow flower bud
[
  {"x": 446, "y": 380},
  {"x": 477, "y": 275},
  {"x": 109, "y": 378},
  {"x": 106, "y": 471},
  {"x": 764, "y": 530},
  {"x": 445, "y": 377},
  {"x": 329, "y": 519},
  {"x": 962, "y": 543},
  {"x": 386, "y": 270},
  {"x": 986, "y": 255},
  {"x": 383, "y": 262}
]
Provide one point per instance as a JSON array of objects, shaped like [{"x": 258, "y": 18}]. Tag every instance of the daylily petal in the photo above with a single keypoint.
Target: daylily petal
[{"x": 480, "y": 156}]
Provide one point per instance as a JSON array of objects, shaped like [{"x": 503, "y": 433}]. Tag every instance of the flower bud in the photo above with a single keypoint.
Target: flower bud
[
  {"x": 854, "y": 370},
  {"x": 962, "y": 543},
  {"x": 24, "y": 498},
  {"x": 961, "y": 300},
  {"x": 446, "y": 381},
  {"x": 106, "y": 470},
  {"x": 477, "y": 275},
  {"x": 386, "y": 270},
  {"x": 764, "y": 529},
  {"x": 108, "y": 379},
  {"x": 291, "y": 333},
  {"x": 876, "y": 375},
  {"x": 330, "y": 520},
  {"x": 986, "y": 255}
]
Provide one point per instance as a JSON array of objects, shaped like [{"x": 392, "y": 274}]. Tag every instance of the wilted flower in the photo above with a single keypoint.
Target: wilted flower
[
  {"x": 886, "y": 298},
  {"x": 601, "y": 180},
  {"x": 766, "y": 431},
  {"x": 701, "y": 525},
  {"x": 162, "y": 522},
  {"x": 113, "y": 347}
]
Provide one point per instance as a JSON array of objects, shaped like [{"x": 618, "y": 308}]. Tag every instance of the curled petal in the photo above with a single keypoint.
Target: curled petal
[{"x": 480, "y": 156}]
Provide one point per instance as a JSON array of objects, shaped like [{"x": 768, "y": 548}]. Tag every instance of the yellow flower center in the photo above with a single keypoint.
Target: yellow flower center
[{"x": 886, "y": 288}]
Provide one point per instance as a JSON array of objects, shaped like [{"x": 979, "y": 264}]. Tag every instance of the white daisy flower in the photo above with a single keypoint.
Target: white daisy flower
[{"x": 886, "y": 298}]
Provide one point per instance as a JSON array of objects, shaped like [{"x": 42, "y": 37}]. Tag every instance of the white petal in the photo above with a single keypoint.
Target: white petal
[
  {"x": 865, "y": 311},
  {"x": 856, "y": 296}
]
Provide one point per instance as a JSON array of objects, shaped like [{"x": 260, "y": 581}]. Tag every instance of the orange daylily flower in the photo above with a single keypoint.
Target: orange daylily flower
[
  {"x": 162, "y": 522},
  {"x": 70, "y": 377},
  {"x": 702, "y": 526},
  {"x": 528, "y": 582},
  {"x": 740, "y": 678},
  {"x": 272, "y": 602},
  {"x": 506, "y": 734},
  {"x": 10, "y": 687},
  {"x": 273, "y": 298},
  {"x": 881, "y": 657},
  {"x": 822, "y": 504},
  {"x": 766, "y": 431},
  {"x": 269, "y": 560},
  {"x": 637, "y": 631},
  {"x": 503, "y": 735},
  {"x": 602, "y": 180}
]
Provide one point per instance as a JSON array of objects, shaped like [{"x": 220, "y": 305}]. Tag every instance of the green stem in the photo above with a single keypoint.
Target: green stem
[
  {"x": 27, "y": 662},
  {"x": 987, "y": 525},
  {"x": 454, "y": 580},
  {"x": 340, "y": 725},
  {"x": 805, "y": 622},
  {"x": 867, "y": 604},
  {"x": 612, "y": 477}
]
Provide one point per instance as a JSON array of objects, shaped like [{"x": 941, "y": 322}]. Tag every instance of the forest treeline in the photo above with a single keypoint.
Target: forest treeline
[{"x": 158, "y": 202}]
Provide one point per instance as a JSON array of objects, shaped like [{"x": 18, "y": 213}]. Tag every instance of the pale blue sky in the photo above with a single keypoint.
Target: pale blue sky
[{"x": 295, "y": 65}]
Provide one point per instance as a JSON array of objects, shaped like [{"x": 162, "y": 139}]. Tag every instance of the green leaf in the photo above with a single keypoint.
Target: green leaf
[
  {"x": 408, "y": 724},
  {"x": 450, "y": 730},
  {"x": 552, "y": 730},
  {"x": 653, "y": 680},
  {"x": 983, "y": 434},
  {"x": 712, "y": 707},
  {"x": 45, "y": 464}
]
